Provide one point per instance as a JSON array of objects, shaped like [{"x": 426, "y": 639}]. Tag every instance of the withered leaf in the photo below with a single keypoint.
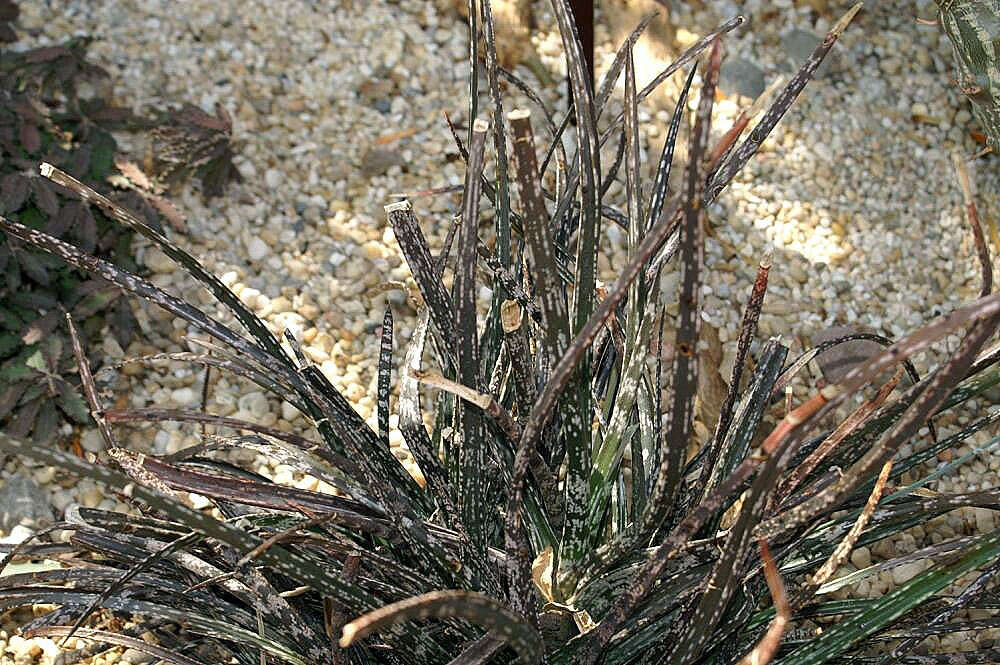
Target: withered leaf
[
  {"x": 41, "y": 327},
  {"x": 84, "y": 229},
  {"x": 46, "y": 54},
  {"x": 837, "y": 361},
  {"x": 712, "y": 388},
  {"x": 9, "y": 11},
  {"x": 134, "y": 174}
]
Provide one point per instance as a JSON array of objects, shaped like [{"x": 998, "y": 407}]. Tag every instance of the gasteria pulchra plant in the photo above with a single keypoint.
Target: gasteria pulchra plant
[
  {"x": 970, "y": 25},
  {"x": 559, "y": 518}
]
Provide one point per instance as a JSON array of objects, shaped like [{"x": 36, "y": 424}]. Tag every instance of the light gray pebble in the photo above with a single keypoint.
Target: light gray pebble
[
  {"x": 742, "y": 77},
  {"x": 91, "y": 441},
  {"x": 254, "y": 403},
  {"x": 273, "y": 178},
  {"x": 23, "y": 502},
  {"x": 257, "y": 249},
  {"x": 136, "y": 657},
  {"x": 184, "y": 396},
  {"x": 799, "y": 44}
]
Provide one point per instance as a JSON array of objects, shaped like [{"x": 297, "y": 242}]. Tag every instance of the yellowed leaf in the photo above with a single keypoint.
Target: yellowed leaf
[{"x": 541, "y": 572}]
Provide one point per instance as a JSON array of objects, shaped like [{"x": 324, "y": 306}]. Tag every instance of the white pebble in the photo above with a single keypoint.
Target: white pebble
[
  {"x": 257, "y": 249},
  {"x": 183, "y": 397},
  {"x": 198, "y": 502},
  {"x": 136, "y": 657},
  {"x": 289, "y": 412},
  {"x": 273, "y": 178}
]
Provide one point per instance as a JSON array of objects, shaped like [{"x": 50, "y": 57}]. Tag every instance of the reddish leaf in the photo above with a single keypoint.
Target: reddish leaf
[
  {"x": 31, "y": 140},
  {"x": 85, "y": 229},
  {"x": 46, "y": 422},
  {"x": 46, "y": 54},
  {"x": 13, "y": 191},
  {"x": 58, "y": 223},
  {"x": 45, "y": 196},
  {"x": 9, "y": 11},
  {"x": 24, "y": 420},
  {"x": 10, "y": 396}
]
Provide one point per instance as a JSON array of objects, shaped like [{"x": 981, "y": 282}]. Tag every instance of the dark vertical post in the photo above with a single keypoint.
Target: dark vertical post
[{"x": 583, "y": 12}]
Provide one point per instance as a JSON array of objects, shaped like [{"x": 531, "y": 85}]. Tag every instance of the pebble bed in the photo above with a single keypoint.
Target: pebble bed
[{"x": 337, "y": 109}]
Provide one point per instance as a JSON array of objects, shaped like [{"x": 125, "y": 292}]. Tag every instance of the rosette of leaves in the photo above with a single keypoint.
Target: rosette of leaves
[
  {"x": 189, "y": 142},
  {"x": 43, "y": 119},
  {"x": 557, "y": 517}
]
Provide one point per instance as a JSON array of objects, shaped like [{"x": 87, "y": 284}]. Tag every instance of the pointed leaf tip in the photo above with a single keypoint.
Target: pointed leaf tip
[{"x": 846, "y": 19}]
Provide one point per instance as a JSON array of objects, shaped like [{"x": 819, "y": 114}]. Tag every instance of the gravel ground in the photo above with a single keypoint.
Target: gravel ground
[{"x": 337, "y": 109}]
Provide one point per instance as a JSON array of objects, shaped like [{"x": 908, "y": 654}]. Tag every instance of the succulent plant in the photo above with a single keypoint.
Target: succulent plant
[
  {"x": 973, "y": 27},
  {"x": 558, "y": 517},
  {"x": 189, "y": 141}
]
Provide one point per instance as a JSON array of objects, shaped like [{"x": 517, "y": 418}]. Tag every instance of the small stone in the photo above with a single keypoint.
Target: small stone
[
  {"x": 229, "y": 278},
  {"x": 91, "y": 496},
  {"x": 289, "y": 412},
  {"x": 91, "y": 441},
  {"x": 273, "y": 178},
  {"x": 198, "y": 502},
  {"x": 22, "y": 501},
  {"x": 906, "y": 572},
  {"x": 796, "y": 272},
  {"x": 257, "y": 249},
  {"x": 742, "y": 77},
  {"x": 984, "y": 520},
  {"x": 374, "y": 89},
  {"x": 183, "y": 396},
  {"x": 283, "y": 475},
  {"x": 378, "y": 161},
  {"x": 799, "y": 45},
  {"x": 159, "y": 262},
  {"x": 861, "y": 557},
  {"x": 254, "y": 403},
  {"x": 136, "y": 657},
  {"x": 841, "y": 286}
]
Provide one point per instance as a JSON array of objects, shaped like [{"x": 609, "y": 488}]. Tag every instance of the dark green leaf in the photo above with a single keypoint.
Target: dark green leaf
[
  {"x": 33, "y": 267},
  {"x": 72, "y": 404}
]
